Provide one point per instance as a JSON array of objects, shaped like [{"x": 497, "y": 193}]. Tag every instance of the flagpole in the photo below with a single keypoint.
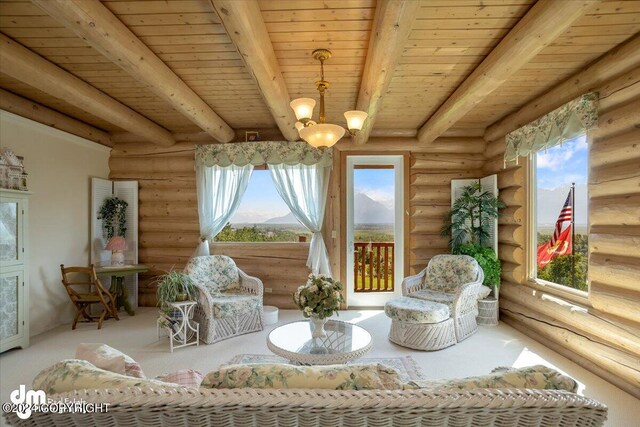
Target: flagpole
[{"x": 573, "y": 234}]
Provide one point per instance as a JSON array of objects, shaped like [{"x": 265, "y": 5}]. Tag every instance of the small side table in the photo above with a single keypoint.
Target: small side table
[
  {"x": 487, "y": 312},
  {"x": 118, "y": 289},
  {"x": 180, "y": 328}
]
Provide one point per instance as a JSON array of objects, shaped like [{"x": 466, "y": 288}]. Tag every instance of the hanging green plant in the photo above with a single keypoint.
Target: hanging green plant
[{"x": 113, "y": 214}]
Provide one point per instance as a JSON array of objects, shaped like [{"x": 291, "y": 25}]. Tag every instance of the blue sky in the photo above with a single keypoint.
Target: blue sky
[
  {"x": 375, "y": 183},
  {"x": 262, "y": 202},
  {"x": 563, "y": 164}
]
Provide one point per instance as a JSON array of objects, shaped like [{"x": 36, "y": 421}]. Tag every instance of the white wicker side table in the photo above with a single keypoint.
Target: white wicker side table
[
  {"x": 487, "y": 312},
  {"x": 182, "y": 330}
]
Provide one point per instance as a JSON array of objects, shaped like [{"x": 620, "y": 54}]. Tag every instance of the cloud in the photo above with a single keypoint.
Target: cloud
[
  {"x": 384, "y": 195},
  {"x": 559, "y": 155},
  {"x": 551, "y": 182}
]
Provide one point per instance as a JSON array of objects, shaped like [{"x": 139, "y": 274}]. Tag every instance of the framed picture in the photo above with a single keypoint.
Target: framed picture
[{"x": 251, "y": 136}]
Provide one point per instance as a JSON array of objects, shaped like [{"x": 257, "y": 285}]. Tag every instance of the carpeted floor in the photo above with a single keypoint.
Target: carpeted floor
[{"x": 136, "y": 336}]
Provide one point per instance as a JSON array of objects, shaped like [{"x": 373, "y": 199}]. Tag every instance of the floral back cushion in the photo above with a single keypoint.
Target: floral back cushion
[
  {"x": 445, "y": 273},
  {"x": 76, "y": 374},
  {"x": 532, "y": 377},
  {"x": 215, "y": 273},
  {"x": 281, "y": 376}
]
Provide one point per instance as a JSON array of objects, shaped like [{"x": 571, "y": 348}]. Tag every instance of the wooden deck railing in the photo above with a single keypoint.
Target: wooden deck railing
[{"x": 373, "y": 267}]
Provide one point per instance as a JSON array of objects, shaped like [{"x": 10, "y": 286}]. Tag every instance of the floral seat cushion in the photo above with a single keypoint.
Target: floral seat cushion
[
  {"x": 445, "y": 273},
  {"x": 415, "y": 310},
  {"x": 234, "y": 303},
  {"x": 215, "y": 274},
  {"x": 440, "y": 297}
]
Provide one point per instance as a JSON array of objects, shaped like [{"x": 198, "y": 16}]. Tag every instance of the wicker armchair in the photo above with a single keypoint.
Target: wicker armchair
[
  {"x": 229, "y": 301},
  {"x": 454, "y": 280}
]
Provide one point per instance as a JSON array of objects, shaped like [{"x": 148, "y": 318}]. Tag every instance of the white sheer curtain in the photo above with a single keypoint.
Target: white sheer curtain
[
  {"x": 304, "y": 190},
  {"x": 220, "y": 190}
]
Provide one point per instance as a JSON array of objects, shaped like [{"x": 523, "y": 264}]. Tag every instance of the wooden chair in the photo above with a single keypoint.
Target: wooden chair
[{"x": 84, "y": 289}]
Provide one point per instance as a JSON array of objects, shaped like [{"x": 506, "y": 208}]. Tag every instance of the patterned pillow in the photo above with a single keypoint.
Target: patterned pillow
[
  {"x": 110, "y": 359},
  {"x": 183, "y": 377},
  {"x": 533, "y": 377},
  {"x": 281, "y": 376},
  {"x": 75, "y": 374}
]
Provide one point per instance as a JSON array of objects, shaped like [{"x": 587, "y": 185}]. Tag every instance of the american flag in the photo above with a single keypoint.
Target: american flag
[{"x": 566, "y": 214}]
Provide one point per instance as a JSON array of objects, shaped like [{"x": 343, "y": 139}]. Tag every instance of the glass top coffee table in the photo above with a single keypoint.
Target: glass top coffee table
[{"x": 344, "y": 342}]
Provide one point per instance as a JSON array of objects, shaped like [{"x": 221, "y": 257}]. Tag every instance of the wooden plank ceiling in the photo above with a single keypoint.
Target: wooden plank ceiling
[{"x": 448, "y": 40}]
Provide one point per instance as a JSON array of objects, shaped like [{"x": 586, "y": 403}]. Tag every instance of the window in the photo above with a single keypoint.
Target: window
[
  {"x": 560, "y": 178},
  {"x": 263, "y": 216}
]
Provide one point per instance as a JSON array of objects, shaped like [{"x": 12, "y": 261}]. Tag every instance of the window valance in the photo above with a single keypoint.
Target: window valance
[
  {"x": 567, "y": 122},
  {"x": 261, "y": 152}
]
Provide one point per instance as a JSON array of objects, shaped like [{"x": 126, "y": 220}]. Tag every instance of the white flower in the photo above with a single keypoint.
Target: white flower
[
  {"x": 336, "y": 294},
  {"x": 308, "y": 311},
  {"x": 313, "y": 289},
  {"x": 311, "y": 276},
  {"x": 303, "y": 300}
]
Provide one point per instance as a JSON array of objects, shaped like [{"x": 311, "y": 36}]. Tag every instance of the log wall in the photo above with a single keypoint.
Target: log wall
[
  {"x": 168, "y": 223},
  {"x": 168, "y": 219},
  {"x": 600, "y": 332}
]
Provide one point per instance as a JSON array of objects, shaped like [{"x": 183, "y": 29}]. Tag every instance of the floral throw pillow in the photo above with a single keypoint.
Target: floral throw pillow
[
  {"x": 532, "y": 377},
  {"x": 110, "y": 359},
  {"x": 281, "y": 376},
  {"x": 75, "y": 374}
]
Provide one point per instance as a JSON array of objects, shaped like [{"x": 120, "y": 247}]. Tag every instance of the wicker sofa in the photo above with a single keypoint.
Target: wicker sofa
[{"x": 269, "y": 407}]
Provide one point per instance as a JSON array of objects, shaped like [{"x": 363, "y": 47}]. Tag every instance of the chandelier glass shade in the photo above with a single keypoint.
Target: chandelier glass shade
[{"x": 321, "y": 134}]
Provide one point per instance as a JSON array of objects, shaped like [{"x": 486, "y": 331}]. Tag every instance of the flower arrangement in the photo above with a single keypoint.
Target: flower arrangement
[
  {"x": 113, "y": 214},
  {"x": 320, "y": 296}
]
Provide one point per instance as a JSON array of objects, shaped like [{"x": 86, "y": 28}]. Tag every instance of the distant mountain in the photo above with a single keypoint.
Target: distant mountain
[
  {"x": 285, "y": 219},
  {"x": 550, "y": 202},
  {"x": 367, "y": 211}
]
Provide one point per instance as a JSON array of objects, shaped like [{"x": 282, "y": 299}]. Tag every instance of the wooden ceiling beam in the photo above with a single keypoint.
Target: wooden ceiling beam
[
  {"x": 621, "y": 59},
  {"x": 95, "y": 24},
  {"x": 246, "y": 28},
  {"x": 544, "y": 22},
  {"x": 22, "y": 64},
  {"x": 39, "y": 113},
  {"x": 391, "y": 27}
]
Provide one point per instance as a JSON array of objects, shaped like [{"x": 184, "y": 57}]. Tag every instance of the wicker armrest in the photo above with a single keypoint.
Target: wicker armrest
[
  {"x": 205, "y": 301},
  {"x": 413, "y": 283},
  {"x": 250, "y": 284},
  {"x": 466, "y": 298}
]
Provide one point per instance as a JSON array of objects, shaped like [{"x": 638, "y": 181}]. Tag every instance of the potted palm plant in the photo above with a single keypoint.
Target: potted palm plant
[
  {"x": 468, "y": 226},
  {"x": 174, "y": 286}
]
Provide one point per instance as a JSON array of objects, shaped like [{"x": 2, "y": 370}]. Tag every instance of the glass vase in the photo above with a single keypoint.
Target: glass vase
[{"x": 317, "y": 326}]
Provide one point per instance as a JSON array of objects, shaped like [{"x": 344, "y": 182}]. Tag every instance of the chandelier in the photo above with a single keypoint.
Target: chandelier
[{"x": 321, "y": 134}]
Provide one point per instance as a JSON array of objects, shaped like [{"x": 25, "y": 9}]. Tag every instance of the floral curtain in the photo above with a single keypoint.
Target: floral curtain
[
  {"x": 261, "y": 152},
  {"x": 567, "y": 122}
]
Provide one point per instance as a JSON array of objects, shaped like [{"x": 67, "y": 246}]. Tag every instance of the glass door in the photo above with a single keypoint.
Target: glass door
[{"x": 374, "y": 229}]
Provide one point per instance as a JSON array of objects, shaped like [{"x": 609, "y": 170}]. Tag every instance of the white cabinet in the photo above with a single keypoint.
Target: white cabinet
[{"x": 14, "y": 274}]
